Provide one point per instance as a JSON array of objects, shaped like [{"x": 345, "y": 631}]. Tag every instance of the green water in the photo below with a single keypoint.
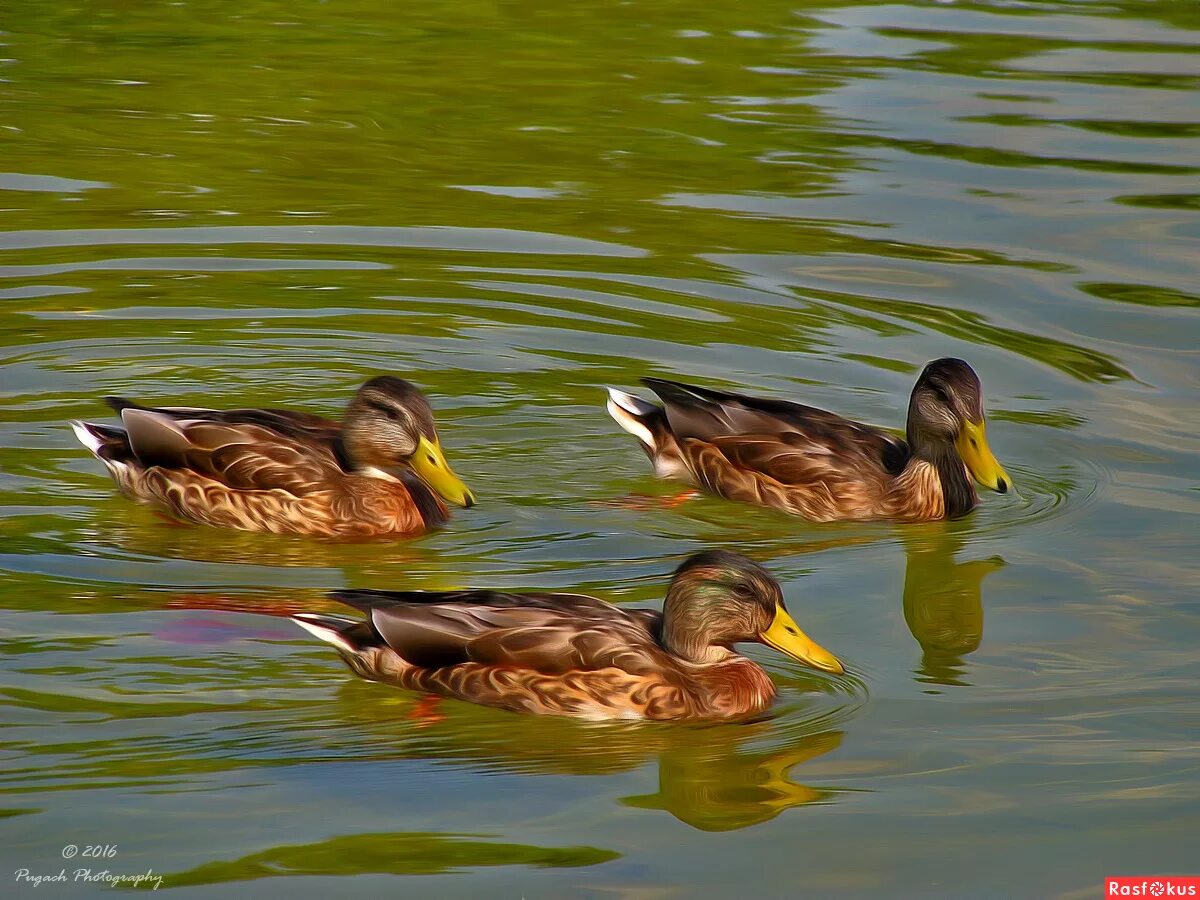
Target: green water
[{"x": 514, "y": 204}]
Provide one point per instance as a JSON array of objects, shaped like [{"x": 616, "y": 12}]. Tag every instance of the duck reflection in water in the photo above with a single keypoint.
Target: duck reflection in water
[
  {"x": 943, "y": 601},
  {"x": 146, "y": 533},
  {"x": 721, "y": 787},
  {"x": 712, "y": 777}
]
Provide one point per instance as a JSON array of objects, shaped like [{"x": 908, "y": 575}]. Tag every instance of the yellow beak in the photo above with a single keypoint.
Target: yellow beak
[
  {"x": 786, "y": 637},
  {"x": 429, "y": 462},
  {"x": 973, "y": 448}
]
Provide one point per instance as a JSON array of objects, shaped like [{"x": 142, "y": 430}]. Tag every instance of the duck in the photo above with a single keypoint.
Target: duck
[
  {"x": 576, "y": 655},
  {"x": 817, "y": 464},
  {"x": 381, "y": 471}
]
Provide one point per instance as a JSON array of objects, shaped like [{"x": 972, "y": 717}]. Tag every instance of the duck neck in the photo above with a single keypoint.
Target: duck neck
[
  {"x": 958, "y": 493},
  {"x": 354, "y": 439},
  {"x": 434, "y": 512},
  {"x": 687, "y": 631},
  {"x": 344, "y": 458}
]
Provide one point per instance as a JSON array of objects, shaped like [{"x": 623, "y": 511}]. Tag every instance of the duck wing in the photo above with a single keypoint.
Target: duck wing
[
  {"x": 290, "y": 423},
  {"x": 790, "y": 442},
  {"x": 243, "y": 456},
  {"x": 548, "y": 633}
]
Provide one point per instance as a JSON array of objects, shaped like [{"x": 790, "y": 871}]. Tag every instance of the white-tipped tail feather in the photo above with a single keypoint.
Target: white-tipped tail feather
[
  {"x": 327, "y": 628},
  {"x": 85, "y": 435},
  {"x": 627, "y": 410},
  {"x": 93, "y": 437}
]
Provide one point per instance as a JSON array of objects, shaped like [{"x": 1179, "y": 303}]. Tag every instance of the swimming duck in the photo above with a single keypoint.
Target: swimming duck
[
  {"x": 381, "y": 471},
  {"x": 816, "y": 464},
  {"x": 574, "y": 655}
]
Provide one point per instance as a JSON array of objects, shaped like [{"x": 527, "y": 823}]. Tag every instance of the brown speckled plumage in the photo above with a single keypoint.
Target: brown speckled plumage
[
  {"x": 568, "y": 654},
  {"x": 277, "y": 470},
  {"x": 809, "y": 462}
]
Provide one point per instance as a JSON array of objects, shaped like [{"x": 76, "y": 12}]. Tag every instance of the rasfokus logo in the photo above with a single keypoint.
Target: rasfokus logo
[{"x": 1153, "y": 886}]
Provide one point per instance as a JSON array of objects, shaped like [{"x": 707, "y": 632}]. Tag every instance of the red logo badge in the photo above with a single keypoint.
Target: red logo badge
[{"x": 1153, "y": 886}]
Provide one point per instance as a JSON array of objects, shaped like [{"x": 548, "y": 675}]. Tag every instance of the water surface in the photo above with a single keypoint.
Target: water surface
[{"x": 513, "y": 205}]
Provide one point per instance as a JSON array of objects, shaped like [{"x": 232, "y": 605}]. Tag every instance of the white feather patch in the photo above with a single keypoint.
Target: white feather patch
[
  {"x": 630, "y": 402},
  {"x": 625, "y": 409},
  {"x": 372, "y": 472},
  {"x": 85, "y": 436},
  {"x": 315, "y": 625}
]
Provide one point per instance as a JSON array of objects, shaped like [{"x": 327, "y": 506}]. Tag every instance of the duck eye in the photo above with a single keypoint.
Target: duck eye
[
  {"x": 941, "y": 395},
  {"x": 386, "y": 410},
  {"x": 743, "y": 591}
]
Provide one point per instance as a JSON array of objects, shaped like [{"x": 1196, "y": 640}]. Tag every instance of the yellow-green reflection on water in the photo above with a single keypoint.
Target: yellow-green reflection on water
[
  {"x": 943, "y": 603},
  {"x": 384, "y": 854},
  {"x": 514, "y": 205}
]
